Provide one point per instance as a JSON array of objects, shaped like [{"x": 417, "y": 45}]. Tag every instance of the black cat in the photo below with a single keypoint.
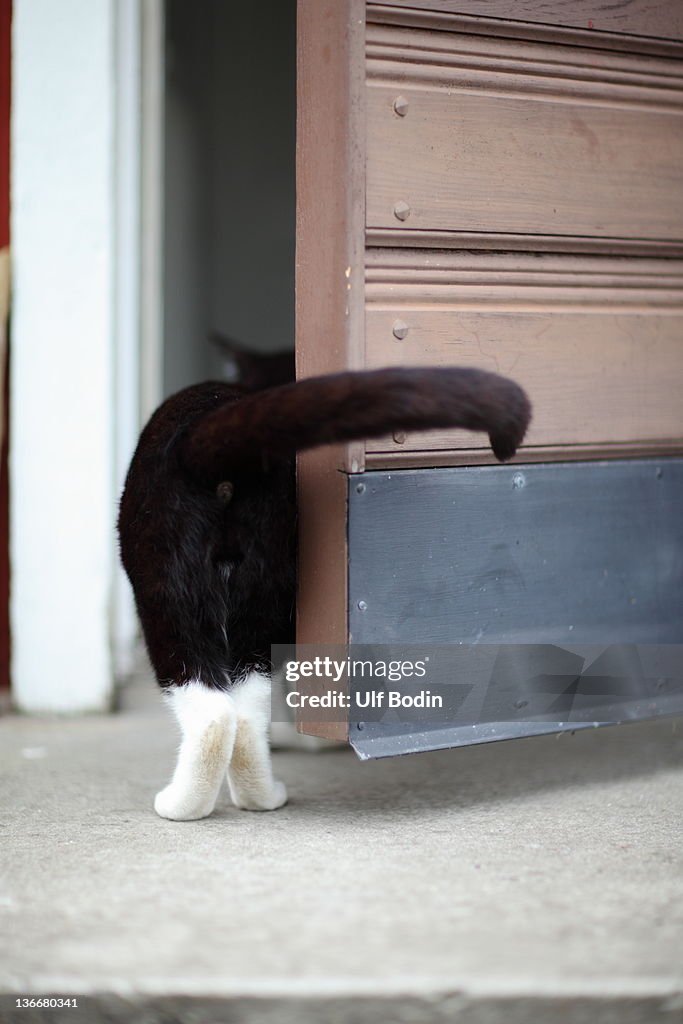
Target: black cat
[
  {"x": 207, "y": 529},
  {"x": 254, "y": 370}
]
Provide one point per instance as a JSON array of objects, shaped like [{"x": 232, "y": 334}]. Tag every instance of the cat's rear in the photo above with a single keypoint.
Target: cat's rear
[{"x": 208, "y": 538}]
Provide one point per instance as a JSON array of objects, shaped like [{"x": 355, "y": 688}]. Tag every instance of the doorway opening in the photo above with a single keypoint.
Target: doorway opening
[{"x": 229, "y": 204}]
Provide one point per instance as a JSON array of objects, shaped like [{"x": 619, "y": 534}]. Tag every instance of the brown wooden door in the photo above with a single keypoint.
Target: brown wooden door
[{"x": 495, "y": 185}]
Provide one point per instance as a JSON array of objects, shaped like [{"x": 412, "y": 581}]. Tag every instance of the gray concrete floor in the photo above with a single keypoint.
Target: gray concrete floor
[{"x": 526, "y": 881}]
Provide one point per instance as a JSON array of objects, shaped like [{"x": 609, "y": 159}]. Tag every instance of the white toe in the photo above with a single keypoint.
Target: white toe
[
  {"x": 248, "y": 802},
  {"x": 177, "y": 806}
]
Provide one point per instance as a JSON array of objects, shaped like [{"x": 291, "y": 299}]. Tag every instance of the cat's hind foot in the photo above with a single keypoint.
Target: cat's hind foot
[
  {"x": 250, "y": 773},
  {"x": 178, "y": 805},
  {"x": 208, "y": 722},
  {"x": 267, "y": 800}
]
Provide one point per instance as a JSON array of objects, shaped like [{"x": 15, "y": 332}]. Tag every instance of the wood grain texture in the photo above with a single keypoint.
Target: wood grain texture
[
  {"x": 657, "y": 18},
  {"x": 439, "y": 458},
  {"x": 597, "y": 343},
  {"x": 329, "y": 291},
  {"x": 441, "y": 21},
  {"x": 587, "y": 151},
  {"x": 510, "y": 242}
]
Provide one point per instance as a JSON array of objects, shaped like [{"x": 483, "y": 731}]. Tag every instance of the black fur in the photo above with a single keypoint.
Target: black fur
[
  {"x": 255, "y": 370},
  {"x": 207, "y": 522}
]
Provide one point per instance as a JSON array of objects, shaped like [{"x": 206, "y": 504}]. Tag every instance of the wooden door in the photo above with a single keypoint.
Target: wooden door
[{"x": 495, "y": 185}]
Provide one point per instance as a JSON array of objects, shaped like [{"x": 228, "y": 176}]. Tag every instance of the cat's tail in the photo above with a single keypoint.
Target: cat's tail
[{"x": 353, "y": 406}]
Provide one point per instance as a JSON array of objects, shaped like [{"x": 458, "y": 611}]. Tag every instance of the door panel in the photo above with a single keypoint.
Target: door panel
[
  {"x": 657, "y": 18},
  {"x": 598, "y": 344},
  {"x": 498, "y": 136},
  {"x": 494, "y": 185}
]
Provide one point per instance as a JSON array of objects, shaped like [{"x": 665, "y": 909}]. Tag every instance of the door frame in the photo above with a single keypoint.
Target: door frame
[{"x": 330, "y": 290}]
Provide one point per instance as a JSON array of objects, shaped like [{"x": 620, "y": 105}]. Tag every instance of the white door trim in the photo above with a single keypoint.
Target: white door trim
[
  {"x": 153, "y": 86},
  {"x": 140, "y": 82},
  {"x": 87, "y": 149},
  {"x": 127, "y": 298},
  {"x": 62, "y": 453}
]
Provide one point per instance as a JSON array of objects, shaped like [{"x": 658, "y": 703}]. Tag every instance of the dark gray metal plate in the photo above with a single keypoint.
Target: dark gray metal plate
[{"x": 565, "y": 554}]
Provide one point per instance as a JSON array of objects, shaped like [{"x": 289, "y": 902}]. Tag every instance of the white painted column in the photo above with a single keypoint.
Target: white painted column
[
  {"x": 127, "y": 177},
  {"x": 63, "y": 383}
]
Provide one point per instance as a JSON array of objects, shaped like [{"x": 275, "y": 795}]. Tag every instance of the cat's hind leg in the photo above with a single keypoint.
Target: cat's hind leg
[
  {"x": 208, "y": 723},
  {"x": 250, "y": 773}
]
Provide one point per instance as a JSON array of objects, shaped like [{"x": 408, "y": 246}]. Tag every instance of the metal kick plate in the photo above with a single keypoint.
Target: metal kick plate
[{"x": 578, "y": 561}]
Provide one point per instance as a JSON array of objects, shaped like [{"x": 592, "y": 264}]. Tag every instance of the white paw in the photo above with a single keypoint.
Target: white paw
[
  {"x": 179, "y": 805},
  {"x": 249, "y": 802}
]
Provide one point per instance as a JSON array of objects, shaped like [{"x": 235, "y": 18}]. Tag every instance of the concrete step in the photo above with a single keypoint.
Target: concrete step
[{"x": 527, "y": 881}]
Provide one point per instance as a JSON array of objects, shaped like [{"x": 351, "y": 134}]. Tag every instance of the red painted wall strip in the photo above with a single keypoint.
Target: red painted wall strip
[{"x": 5, "y": 87}]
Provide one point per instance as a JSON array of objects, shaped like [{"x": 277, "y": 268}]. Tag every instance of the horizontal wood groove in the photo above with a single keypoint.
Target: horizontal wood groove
[
  {"x": 506, "y": 299},
  {"x": 542, "y": 453},
  {"x": 511, "y": 67},
  {"x": 383, "y": 265},
  {"x": 442, "y": 21},
  {"x": 483, "y": 240},
  {"x": 420, "y": 278}
]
